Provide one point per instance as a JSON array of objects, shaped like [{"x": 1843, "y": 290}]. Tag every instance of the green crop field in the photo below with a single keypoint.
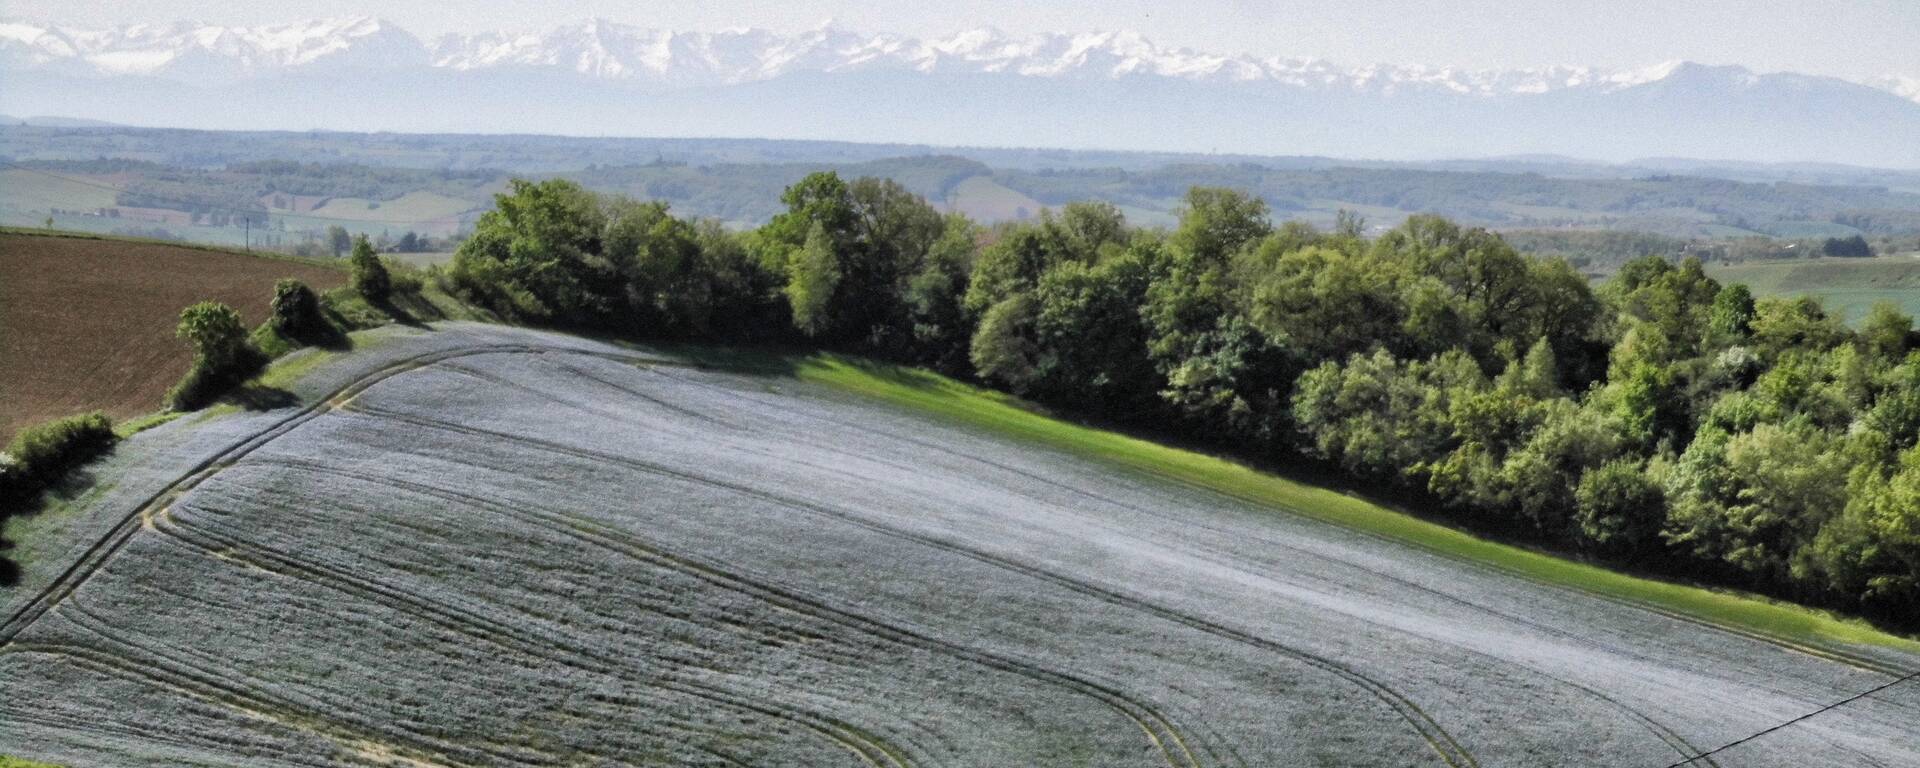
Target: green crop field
[
  {"x": 981, "y": 198},
  {"x": 1848, "y": 286},
  {"x": 420, "y": 210}
]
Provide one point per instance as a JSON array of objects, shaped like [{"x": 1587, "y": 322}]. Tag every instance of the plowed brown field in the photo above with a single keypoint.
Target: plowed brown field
[{"x": 88, "y": 323}]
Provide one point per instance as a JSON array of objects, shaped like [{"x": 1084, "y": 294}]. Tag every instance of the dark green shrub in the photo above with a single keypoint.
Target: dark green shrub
[
  {"x": 223, "y": 356},
  {"x": 370, "y": 277},
  {"x": 296, "y": 313},
  {"x": 40, "y": 455}
]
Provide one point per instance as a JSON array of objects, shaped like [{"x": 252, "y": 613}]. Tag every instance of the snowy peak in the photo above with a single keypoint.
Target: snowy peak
[
  {"x": 195, "y": 51},
  {"x": 1904, "y": 87},
  {"x": 602, "y": 49}
]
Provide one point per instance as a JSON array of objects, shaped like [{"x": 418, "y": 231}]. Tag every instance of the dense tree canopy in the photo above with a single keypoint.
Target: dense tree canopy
[{"x": 1659, "y": 418}]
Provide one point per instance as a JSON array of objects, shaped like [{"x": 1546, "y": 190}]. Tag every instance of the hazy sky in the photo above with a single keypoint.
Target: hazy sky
[{"x": 1848, "y": 38}]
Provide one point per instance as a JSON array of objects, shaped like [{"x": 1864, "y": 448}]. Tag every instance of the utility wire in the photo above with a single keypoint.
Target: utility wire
[
  {"x": 244, "y": 213},
  {"x": 1802, "y": 718}
]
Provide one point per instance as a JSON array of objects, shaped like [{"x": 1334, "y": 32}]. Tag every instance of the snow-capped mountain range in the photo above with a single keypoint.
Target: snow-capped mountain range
[
  {"x": 197, "y": 52},
  {"x": 1114, "y": 90}
]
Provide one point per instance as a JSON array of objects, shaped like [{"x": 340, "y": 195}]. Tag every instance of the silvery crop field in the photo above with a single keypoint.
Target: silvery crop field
[{"x": 480, "y": 546}]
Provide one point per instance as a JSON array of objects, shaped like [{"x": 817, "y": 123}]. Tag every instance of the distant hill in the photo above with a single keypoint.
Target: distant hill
[
  {"x": 207, "y": 186},
  {"x": 52, "y": 121},
  {"x": 1115, "y": 89}
]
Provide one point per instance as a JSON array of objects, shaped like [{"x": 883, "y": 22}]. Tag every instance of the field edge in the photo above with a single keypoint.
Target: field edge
[{"x": 1811, "y": 630}]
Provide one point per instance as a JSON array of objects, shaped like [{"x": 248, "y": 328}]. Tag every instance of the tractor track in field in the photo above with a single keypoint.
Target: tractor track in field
[
  {"x": 73, "y": 723},
  {"x": 97, "y": 555},
  {"x": 1838, "y": 655},
  {"x": 116, "y": 537},
  {"x": 510, "y": 637},
  {"x": 150, "y": 650},
  {"x": 1444, "y": 745},
  {"x": 160, "y": 670},
  {"x": 1856, "y": 661},
  {"x": 1159, "y": 729},
  {"x": 1224, "y": 557},
  {"x": 1215, "y": 554}
]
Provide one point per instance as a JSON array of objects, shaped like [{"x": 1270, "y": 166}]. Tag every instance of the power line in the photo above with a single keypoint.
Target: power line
[
  {"x": 1835, "y": 705},
  {"x": 243, "y": 212}
]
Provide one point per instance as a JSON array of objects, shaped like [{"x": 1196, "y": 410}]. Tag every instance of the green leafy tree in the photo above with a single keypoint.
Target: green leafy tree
[
  {"x": 1886, "y": 331},
  {"x": 813, "y": 274},
  {"x": 1619, "y": 508},
  {"x": 538, "y": 256},
  {"x": 296, "y": 312},
  {"x": 1004, "y": 348},
  {"x": 369, "y": 277},
  {"x": 339, "y": 240},
  {"x": 936, "y": 298},
  {"x": 1752, "y": 502},
  {"x": 1847, "y": 247},
  {"x": 1871, "y": 551},
  {"x": 1781, "y": 325},
  {"x": 851, "y": 251},
  {"x": 215, "y": 333},
  {"x": 1329, "y": 304},
  {"x": 223, "y": 355},
  {"x": 1732, "y": 313}
]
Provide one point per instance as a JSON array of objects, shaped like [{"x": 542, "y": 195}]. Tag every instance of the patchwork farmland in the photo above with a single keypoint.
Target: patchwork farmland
[{"x": 485, "y": 546}]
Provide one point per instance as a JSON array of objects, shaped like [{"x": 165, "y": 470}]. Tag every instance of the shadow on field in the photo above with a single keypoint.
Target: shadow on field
[
  {"x": 408, "y": 309},
  {"x": 255, "y": 397},
  {"x": 329, "y": 336},
  {"x": 767, "y": 361},
  {"x": 75, "y": 483}
]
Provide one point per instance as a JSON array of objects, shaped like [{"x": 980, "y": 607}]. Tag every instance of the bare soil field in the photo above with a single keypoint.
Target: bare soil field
[
  {"x": 483, "y": 546},
  {"x": 88, "y": 323}
]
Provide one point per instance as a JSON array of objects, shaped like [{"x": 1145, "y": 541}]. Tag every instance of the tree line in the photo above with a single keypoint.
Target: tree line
[{"x": 1660, "y": 420}]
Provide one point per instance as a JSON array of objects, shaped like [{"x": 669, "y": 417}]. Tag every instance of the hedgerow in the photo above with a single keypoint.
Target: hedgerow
[{"x": 41, "y": 455}]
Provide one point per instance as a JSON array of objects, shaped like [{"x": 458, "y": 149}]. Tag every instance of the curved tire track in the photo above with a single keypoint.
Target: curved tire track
[
  {"x": 116, "y": 537},
  {"x": 1159, "y": 729},
  {"x": 1444, "y": 745},
  {"x": 869, "y": 749}
]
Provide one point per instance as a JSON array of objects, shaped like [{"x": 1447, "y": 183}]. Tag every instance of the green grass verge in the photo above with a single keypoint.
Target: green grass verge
[
  {"x": 1008, "y": 416},
  {"x": 1849, "y": 287},
  {"x": 140, "y": 424},
  {"x": 15, "y": 762}
]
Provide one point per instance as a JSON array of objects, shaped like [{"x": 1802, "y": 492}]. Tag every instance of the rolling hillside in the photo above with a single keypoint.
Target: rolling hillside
[{"x": 487, "y": 546}]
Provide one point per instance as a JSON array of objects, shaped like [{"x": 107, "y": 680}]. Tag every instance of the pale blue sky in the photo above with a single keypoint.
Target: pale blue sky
[{"x": 1848, "y": 38}]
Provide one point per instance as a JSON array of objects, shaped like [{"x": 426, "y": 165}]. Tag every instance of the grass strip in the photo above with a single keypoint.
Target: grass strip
[{"x": 1008, "y": 416}]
